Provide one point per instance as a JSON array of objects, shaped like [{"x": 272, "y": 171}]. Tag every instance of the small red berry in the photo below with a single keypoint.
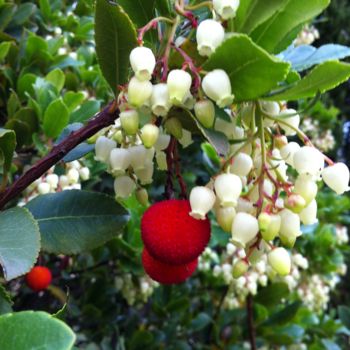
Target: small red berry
[
  {"x": 167, "y": 274},
  {"x": 39, "y": 278},
  {"x": 171, "y": 235}
]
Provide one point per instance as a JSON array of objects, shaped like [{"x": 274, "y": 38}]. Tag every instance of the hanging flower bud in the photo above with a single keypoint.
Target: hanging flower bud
[
  {"x": 142, "y": 196},
  {"x": 119, "y": 160},
  {"x": 288, "y": 151},
  {"x": 210, "y": 34},
  {"x": 161, "y": 161},
  {"x": 247, "y": 114},
  {"x": 145, "y": 175},
  {"x": 73, "y": 176},
  {"x": 280, "y": 141},
  {"x": 162, "y": 142},
  {"x": 226, "y": 8},
  {"x": 52, "y": 180},
  {"x": 63, "y": 182},
  {"x": 149, "y": 135},
  {"x": 123, "y": 187},
  {"x": 293, "y": 121},
  {"x": 295, "y": 202},
  {"x": 337, "y": 177},
  {"x": 160, "y": 100},
  {"x": 138, "y": 157},
  {"x": 217, "y": 86},
  {"x": 179, "y": 84},
  {"x": 306, "y": 187},
  {"x": 84, "y": 173},
  {"x": 189, "y": 101},
  {"x": 205, "y": 112},
  {"x": 280, "y": 261},
  {"x": 118, "y": 136},
  {"x": 173, "y": 127},
  {"x": 271, "y": 108},
  {"x": 245, "y": 227},
  {"x": 241, "y": 165},
  {"x": 103, "y": 148},
  {"x": 224, "y": 217},
  {"x": 142, "y": 62},
  {"x": 308, "y": 160},
  {"x": 130, "y": 121},
  {"x": 290, "y": 224},
  {"x": 44, "y": 188},
  {"x": 269, "y": 225},
  {"x": 202, "y": 200},
  {"x": 228, "y": 188},
  {"x": 308, "y": 215},
  {"x": 139, "y": 92},
  {"x": 239, "y": 268}
]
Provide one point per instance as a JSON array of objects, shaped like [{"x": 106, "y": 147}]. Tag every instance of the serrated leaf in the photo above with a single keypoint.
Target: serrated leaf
[
  {"x": 34, "y": 330},
  {"x": 19, "y": 242},
  {"x": 324, "y": 77},
  {"x": 7, "y": 147},
  {"x": 74, "y": 221},
  {"x": 252, "y": 71},
  {"x": 274, "y": 35},
  {"x": 56, "y": 117},
  {"x": 115, "y": 37}
]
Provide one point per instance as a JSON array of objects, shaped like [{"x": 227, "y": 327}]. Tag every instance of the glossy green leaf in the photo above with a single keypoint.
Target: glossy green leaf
[
  {"x": 139, "y": 11},
  {"x": 22, "y": 14},
  {"x": 27, "y": 116},
  {"x": 19, "y": 242},
  {"x": 7, "y": 147},
  {"x": 7, "y": 12},
  {"x": 164, "y": 7},
  {"x": 34, "y": 330},
  {"x": 324, "y": 77},
  {"x": 201, "y": 321},
  {"x": 284, "y": 316},
  {"x": 4, "y": 49},
  {"x": 56, "y": 117},
  {"x": 25, "y": 84},
  {"x": 252, "y": 71},
  {"x": 57, "y": 78},
  {"x": 74, "y": 221},
  {"x": 13, "y": 104},
  {"x": 78, "y": 152},
  {"x": 21, "y": 129},
  {"x": 86, "y": 111},
  {"x": 272, "y": 294},
  {"x": 73, "y": 99},
  {"x": 115, "y": 37}
]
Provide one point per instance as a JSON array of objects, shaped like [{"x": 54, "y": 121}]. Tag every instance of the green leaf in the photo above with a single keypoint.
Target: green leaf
[
  {"x": 324, "y": 77},
  {"x": 13, "y": 104},
  {"x": 164, "y": 7},
  {"x": 21, "y": 129},
  {"x": 274, "y": 35},
  {"x": 25, "y": 84},
  {"x": 252, "y": 71},
  {"x": 56, "y": 117},
  {"x": 139, "y": 11},
  {"x": 4, "y": 49},
  {"x": 5, "y": 301},
  {"x": 28, "y": 116},
  {"x": 344, "y": 315},
  {"x": 19, "y": 242},
  {"x": 74, "y": 221},
  {"x": 57, "y": 78},
  {"x": 78, "y": 152},
  {"x": 284, "y": 316},
  {"x": 200, "y": 322},
  {"x": 34, "y": 330},
  {"x": 86, "y": 111},
  {"x": 6, "y": 14},
  {"x": 7, "y": 147},
  {"x": 73, "y": 99},
  {"x": 272, "y": 294},
  {"x": 115, "y": 37},
  {"x": 22, "y": 14}
]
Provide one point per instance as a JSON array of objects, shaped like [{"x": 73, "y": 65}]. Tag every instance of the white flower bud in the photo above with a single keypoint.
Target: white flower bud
[
  {"x": 202, "y": 200},
  {"x": 210, "y": 34},
  {"x": 160, "y": 100},
  {"x": 271, "y": 108},
  {"x": 119, "y": 160},
  {"x": 245, "y": 206},
  {"x": 226, "y": 8},
  {"x": 308, "y": 215},
  {"x": 205, "y": 112},
  {"x": 244, "y": 228},
  {"x": 308, "y": 160},
  {"x": 239, "y": 268},
  {"x": 103, "y": 148},
  {"x": 149, "y": 135},
  {"x": 293, "y": 121},
  {"x": 288, "y": 151},
  {"x": 179, "y": 84},
  {"x": 142, "y": 196},
  {"x": 269, "y": 225},
  {"x": 228, "y": 188},
  {"x": 52, "y": 180},
  {"x": 241, "y": 165},
  {"x": 142, "y": 62},
  {"x": 124, "y": 186},
  {"x": 73, "y": 176},
  {"x": 290, "y": 224},
  {"x": 306, "y": 187},
  {"x": 137, "y": 157},
  {"x": 280, "y": 261},
  {"x": 139, "y": 92},
  {"x": 63, "y": 182},
  {"x": 130, "y": 121},
  {"x": 162, "y": 142},
  {"x": 44, "y": 188},
  {"x": 224, "y": 217},
  {"x": 145, "y": 175},
  {"x": 295, "y": 202},
  {"x": 337, "y": 177},
  {"x": 217, "y": 86},
  {"x": 84, "y": 173}
]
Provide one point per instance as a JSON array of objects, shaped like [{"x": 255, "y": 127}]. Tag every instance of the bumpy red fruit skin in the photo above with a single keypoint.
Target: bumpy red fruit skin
[
  {"x": 39, "y": 278},
  {"x": 171, "y": 235},
  {"x": 165, "y": 273}
]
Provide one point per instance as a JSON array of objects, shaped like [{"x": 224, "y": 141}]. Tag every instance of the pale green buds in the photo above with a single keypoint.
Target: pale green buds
[
  {"x": 173, "y": 127},
  {"x": 130, "y": 121},
  {"x": 269, "y": 225},
  {"x": 149, "y": 135},
  {"x": 205, "y": 112},
  {"x": 239, "y": 268},
  {"x": 139, "y": 92},
  {"x": 142, "y": 196},
  {"x": 280, "y": 261},
  {"x": 295, "y": 202},
  {"x": 224, "y": 217}
]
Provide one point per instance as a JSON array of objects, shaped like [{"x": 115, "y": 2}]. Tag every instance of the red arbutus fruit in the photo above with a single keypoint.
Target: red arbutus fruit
[{"x": 39, "y": 278}]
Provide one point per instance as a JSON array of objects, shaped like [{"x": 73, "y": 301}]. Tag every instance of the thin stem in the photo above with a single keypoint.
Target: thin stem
[
  {"x": 251, "y": 327},
  {"x": 180, "y": 179},
  {"x": 208, "y": 4},
  {"x": 151, "y": 24}
]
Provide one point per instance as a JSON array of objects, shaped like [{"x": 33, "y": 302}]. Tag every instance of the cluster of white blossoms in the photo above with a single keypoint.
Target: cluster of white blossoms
[
  {"x": 307, "y": 36},
  {"x": 135, "y": 291},
  {"x": 75, "y": 173}
]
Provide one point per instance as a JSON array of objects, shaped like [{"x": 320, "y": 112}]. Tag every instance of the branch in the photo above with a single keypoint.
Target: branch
[
  {"x": 103, "y": 119},
  {"x": 251, "y": 327}
]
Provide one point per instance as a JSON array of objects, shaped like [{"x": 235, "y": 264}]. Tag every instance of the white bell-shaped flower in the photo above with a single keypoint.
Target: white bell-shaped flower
[
  {"x": 161, "y": 161},
  {"x": 245, "y": 227},
  {"x": 44, "y": 188},
  {"x": 103, "y": 148},
  {"x": 308, "y": 160},
  {"x": 228, "y": 188},
  {"x": 149, "y": 135},
  {"x": 162, "y": 142},
  {"x": 290, "y": 224},
  {"x": 245, "y": 206},
  {"x": 204, "y": 110},
  {"x": 84, "y": 173},
  {"x": 142, "y": 62},
  {"x": 139, "y": 92},
  {"x": 226, "y": 8},
  {"x": 52, "y": 180},
  {"x": 124, "y": 187},
  {"x": 308, "y": 215},
  {"x": 119, "y": 160},
  {"x": 269, "y": 225},
  {"x": 210, "y": 34},
  {"x": 160, "y": 100},
  {"x": 280, "y": 261},
  {"x": 288, "y": 151},
  {"x": 73, "y": 176},
  {"x": 337, "y": 177},
  {"x": 138, "y": 156},
  {"x": 63, "y": 182},
  {"x": 292, "y": 122},
  {"x": 145, "y": 175},
  {"x": 202, "y": 200},
  {"x": 129, "y": 121},
  {"x": 179, "y": 84},
  {"x": 241, "y": 164},
  {"x": 306, "y": 187},
  {"x": 271, "y": 108},
  {"x": 217, "y": 86},
  {"x": 224, "y": 217}
]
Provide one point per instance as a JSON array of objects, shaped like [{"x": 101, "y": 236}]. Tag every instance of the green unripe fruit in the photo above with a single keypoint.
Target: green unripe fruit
[{"x": 239, "y": 268}]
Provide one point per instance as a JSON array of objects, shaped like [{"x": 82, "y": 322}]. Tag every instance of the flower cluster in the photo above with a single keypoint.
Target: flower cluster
[{"x": 307, "y": 36}]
